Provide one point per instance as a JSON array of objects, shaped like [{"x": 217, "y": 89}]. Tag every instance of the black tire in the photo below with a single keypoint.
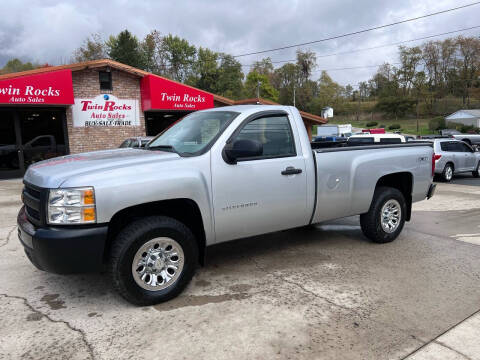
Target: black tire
[
  {"x": 476, "y": 172},
  {"x": 445, "y": 173},
  {"x": 131, "y": 239},
  {"x": 371, "y": 221}
]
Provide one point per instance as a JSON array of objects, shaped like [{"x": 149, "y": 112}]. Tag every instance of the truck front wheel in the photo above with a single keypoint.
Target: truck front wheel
[
  {"x": 152, "y": 260},
  {"x": 385, "y": 219}
]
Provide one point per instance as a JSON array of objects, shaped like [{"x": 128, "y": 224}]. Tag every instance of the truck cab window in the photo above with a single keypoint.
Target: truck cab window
[{"x": 274, "y": 133}]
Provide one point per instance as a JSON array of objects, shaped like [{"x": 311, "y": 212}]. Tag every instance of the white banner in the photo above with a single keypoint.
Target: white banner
[{"x": 105, "y": 111}]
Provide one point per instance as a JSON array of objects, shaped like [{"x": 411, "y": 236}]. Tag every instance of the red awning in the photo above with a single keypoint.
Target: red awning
[
  {"x": 52, "y": 88},
  {"x": 163, "y": 94}
]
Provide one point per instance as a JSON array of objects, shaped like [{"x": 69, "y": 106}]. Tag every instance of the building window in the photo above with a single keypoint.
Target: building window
[{"x": 105, "y": 79}]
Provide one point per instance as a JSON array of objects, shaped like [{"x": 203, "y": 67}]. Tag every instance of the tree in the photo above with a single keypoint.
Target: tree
[
  {"x": 263, "y": 67},
  {"x": 431, "y": 56},
  {"x": 284, "y": 80},
  {"x": 149, "y": 51},
  {"x": 179, "y": 56},
  {"x": 205, "y": 72},
  {"x": 306, "y": 62},
  {"x": 266, "y": 90},
  {"x": 16, "y": 65},
  {"x": 93, "y": 48},
  {"x": 230, "y": 77},
  {"x": 395, "y": 106},
  {"x": 126, "y": 49},
  {"x": 348, "y": 91},
  {"x": 384, "y": 82},
  {"x": 329, "y": 92},
  {"x": 363, "y": 90},
  {"x": 469, "y": 64},
  {"x": 410, "y": 59}
]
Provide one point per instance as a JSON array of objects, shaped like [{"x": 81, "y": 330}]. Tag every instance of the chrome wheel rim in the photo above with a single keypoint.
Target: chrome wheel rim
[
  {"x": 158, "y": 264},
  {"x": 390, "y": 215},
  {"x": 448, "y": 172}
]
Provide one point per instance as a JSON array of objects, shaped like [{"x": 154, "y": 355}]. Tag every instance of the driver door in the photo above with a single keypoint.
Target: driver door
[{"x": 256, "y": 195}]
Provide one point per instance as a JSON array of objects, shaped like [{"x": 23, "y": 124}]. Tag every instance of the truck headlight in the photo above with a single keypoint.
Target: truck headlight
[{"x": 71, "y": 206}]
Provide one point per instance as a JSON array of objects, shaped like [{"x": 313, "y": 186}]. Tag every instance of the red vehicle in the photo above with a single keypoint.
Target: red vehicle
[{"x": 374, "y": 131}]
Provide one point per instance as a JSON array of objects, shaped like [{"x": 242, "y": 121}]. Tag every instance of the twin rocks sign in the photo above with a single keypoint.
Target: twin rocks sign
[
  {"x": 163, "y": 94},
  {"x": 51, "y": 88},
  {"x": 105, "y": 111}
]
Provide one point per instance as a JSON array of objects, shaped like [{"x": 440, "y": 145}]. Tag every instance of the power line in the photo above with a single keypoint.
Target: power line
[
  {"x": 359, "y": 31},
  {"x": 355, "y": 67},
  {"x": 377, "y": 47}
]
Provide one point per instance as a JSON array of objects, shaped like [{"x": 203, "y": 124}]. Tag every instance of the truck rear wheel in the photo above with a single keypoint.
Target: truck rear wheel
[
  {"x": 385, "y": 219},
  {"x": 152, "y": 260}
]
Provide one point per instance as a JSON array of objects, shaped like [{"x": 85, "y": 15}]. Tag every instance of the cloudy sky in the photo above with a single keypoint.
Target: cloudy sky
[{"x": 49, "y": 30}]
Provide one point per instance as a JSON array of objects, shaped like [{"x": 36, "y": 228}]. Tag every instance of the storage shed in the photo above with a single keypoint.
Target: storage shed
[{"x": 465, "y": 117}]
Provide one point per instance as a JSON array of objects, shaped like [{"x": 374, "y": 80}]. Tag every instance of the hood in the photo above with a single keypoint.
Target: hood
[{"x": 53, "y": 172}]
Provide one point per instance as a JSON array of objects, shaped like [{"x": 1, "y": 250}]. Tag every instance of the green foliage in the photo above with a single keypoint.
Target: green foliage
[
  {"x": 382, "y": 126},
  {"x": 436, "y": 78},
  {"x": 266, "y": 90},
  {"x": 437, "y": 123},
  {"x": 16, "y": 65},
  {"x": 371, "y": 124},
  {"x": 179, "y": 56},
  {"x": 93, "y": 48},
  {"x": 205, "y": 70},
  {"x": 394, "y": 127},
  {"x": 125, "y": 48},
  {"x": 230, "y": 77},
  {"x": 395, "y": 106}
]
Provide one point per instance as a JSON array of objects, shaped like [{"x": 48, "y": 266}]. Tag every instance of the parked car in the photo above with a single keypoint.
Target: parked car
[
  {"x": 471, "y": 139},
  {"x": 39, "y": 148},
  {"x": 455, "y": 157},
  {"x": 366, "y": 138},
  {"x": 217, "y": 175},
  {"x": 136, "y": 142}
]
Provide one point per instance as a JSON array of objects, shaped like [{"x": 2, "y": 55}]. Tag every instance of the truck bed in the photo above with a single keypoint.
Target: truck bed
[{"x": 346, "y": 176}]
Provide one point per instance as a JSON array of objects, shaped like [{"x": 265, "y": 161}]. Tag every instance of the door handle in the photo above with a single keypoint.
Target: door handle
[{"x": 290, "y": 170}]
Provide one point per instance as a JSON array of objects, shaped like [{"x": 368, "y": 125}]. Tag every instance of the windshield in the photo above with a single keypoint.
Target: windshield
[{"x": 194, "y": 133}]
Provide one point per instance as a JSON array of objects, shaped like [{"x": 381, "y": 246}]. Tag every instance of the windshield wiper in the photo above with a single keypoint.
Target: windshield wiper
[{"x": 163, "y": 147}]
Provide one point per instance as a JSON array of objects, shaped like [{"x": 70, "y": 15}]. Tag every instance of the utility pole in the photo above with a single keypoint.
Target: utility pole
[
  {"x": 416, "y": 110},
  {"x": 293, "y": 95},
  {"x": 258, "y": 89}
]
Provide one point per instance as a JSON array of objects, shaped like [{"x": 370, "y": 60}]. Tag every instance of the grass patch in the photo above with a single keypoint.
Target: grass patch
[{"x": 408, "y": 126}]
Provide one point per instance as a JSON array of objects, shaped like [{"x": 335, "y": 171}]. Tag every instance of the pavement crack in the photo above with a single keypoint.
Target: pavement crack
[
  {"x": 8, "y": 236},
  {"x": 70, "y": 326},
  {"x": 452, "y": 349}
]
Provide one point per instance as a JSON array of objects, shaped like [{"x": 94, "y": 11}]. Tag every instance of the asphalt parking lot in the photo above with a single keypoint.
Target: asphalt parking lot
[{"x": 323, "y": 292}]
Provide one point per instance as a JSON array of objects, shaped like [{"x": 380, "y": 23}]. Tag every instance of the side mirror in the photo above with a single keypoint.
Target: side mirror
[{"x": 242, "y": 148}]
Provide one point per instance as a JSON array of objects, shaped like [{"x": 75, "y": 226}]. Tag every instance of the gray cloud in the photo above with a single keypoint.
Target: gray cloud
[{"x": 49, "y": 31}]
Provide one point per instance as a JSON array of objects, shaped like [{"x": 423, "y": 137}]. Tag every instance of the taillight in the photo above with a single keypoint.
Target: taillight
[{"x": 434, "y": 158}]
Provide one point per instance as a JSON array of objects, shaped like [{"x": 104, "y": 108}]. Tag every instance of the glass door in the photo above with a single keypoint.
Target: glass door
[
  {"x": 42, "y": 134},
  {"x": 11, "y": 159}
]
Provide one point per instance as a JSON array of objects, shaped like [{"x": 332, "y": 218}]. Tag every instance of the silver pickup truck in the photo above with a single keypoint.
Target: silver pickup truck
[
  {"x": 470, "y": 139},
  {"x": 148, "y": 215}
]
